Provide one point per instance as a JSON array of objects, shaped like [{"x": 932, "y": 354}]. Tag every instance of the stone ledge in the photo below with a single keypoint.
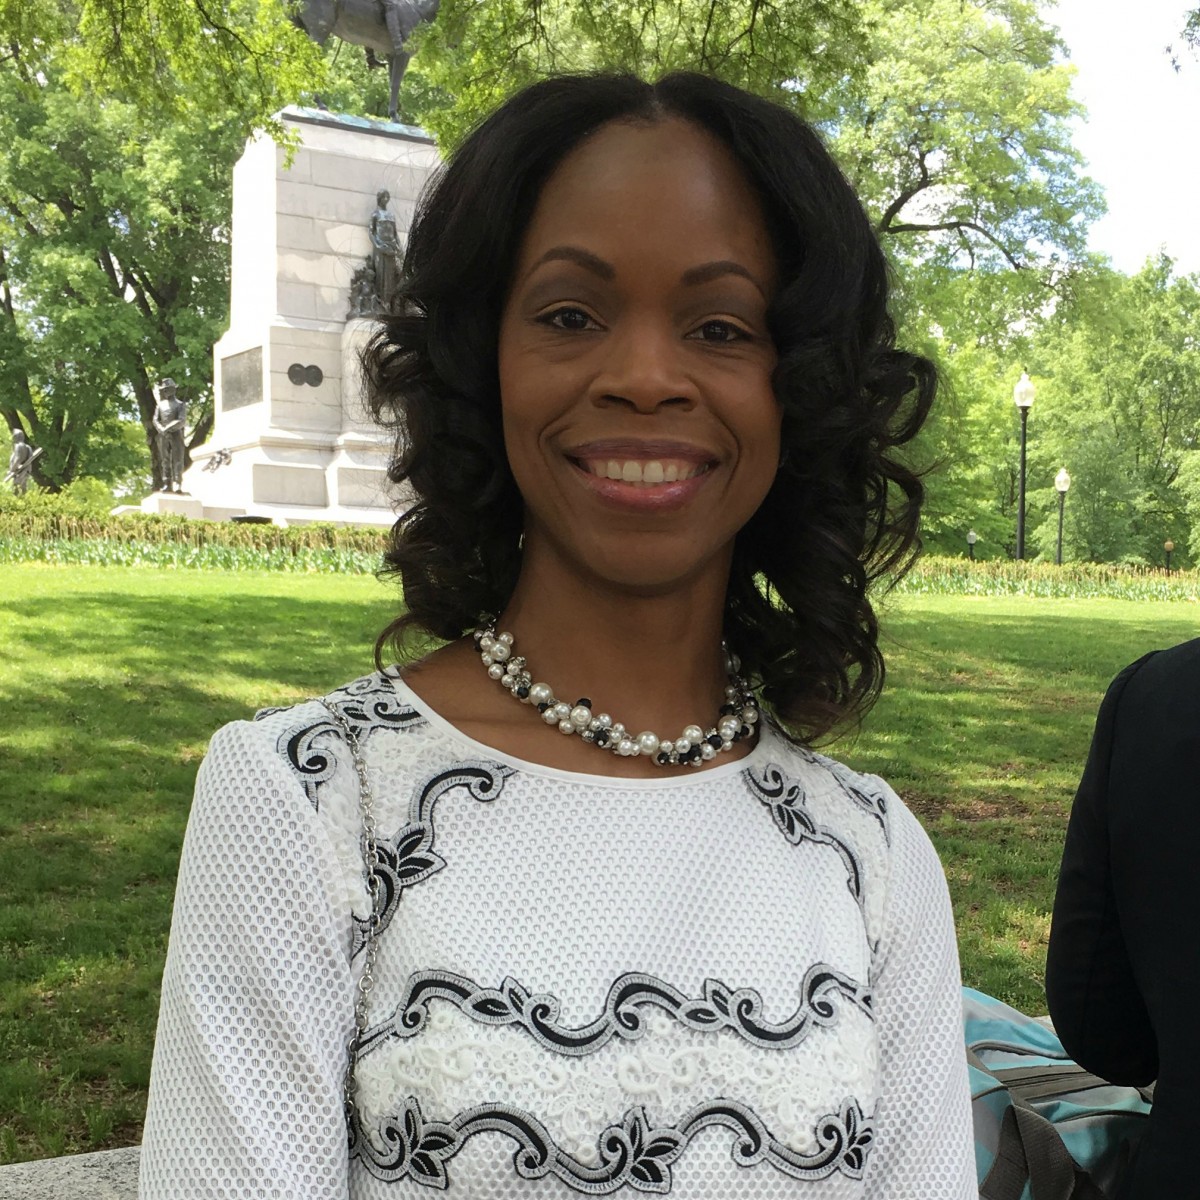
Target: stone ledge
[{"x": 108, "y": 1175}]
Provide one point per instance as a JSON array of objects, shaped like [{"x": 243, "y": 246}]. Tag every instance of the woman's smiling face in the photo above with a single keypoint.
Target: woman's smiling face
[{"x": 635, "y": 361}]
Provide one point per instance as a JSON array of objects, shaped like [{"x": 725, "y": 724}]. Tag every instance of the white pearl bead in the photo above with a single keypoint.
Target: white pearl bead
[
  {"x": 605, "y": 721},
  {"x": 500, "y": 652},
  {"x": 693, "y": 733},
  {"x": 618, "y": 729},
  {"x": 495, "y": 671},
  {"x": 648, "y": 742},
  {"x": 580, "y": 716},
  {"x": 683, "y": 745},
  {"x": 625, "y": 746},
  {"x": 486, "y": 642},
  {"x": 550, "y": 717},
  {"x": 540, "y": 693},
  {"x": 728, "y": 726},
  {"x": 487, "y": 659},
  {"x": 506, "y": 638},
  {"x": 727, "y": 745},
  {"x": 707, "y": 752},
  {"x": 565, "y": 727},
  {"x": 749, "y": 714},
  {"x": 562, "y": 711}
]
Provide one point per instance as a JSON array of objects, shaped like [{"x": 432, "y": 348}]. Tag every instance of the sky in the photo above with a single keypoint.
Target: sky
[{"x": 1140, "y": 137}]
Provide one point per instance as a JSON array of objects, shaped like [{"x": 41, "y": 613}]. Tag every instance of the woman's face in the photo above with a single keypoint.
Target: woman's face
[{"x": 635, "y": 363}]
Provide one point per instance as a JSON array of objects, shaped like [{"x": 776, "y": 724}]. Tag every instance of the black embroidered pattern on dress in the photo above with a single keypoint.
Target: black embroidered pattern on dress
[
  {"x": 634, "y": 1153},
  {"x": 371, "y": 703},
  {"x": 784, "y": 796},
  {"x": 367, "y": 704},
  {"x": 720, "y": 1007},
  {"x": 409, "y": 858}
]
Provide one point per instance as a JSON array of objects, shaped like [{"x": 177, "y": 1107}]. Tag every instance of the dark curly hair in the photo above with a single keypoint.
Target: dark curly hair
[{"x": 843, "y": 510}]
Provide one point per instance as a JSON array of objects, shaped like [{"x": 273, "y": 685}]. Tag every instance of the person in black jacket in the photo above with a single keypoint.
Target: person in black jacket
[{"x": 1123, "y": 972}]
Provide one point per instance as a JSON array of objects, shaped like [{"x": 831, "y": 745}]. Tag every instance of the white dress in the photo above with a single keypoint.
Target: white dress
[{"x": 738, "y": 982}]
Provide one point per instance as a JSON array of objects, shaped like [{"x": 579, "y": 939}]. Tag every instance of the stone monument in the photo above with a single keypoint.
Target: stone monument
[{"x": 291, "y": 440}]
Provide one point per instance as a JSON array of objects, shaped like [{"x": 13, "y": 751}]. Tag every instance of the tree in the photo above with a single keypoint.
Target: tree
[
  {"x": 113, "y": 264},
  {"x": 171, "y": 57},
  {"x": 957, "y": 135},
  {"x": 1119, "y": 406}
]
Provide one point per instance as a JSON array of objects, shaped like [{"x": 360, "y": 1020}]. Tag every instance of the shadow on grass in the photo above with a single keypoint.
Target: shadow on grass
[
  {"x": 109, "y": 700},
  {"x": 987, "y": 714},
  {"x": 983, "y": 730}
]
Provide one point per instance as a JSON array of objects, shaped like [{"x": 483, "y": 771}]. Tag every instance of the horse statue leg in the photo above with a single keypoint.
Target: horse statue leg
[{"x": 397, "y": 65}]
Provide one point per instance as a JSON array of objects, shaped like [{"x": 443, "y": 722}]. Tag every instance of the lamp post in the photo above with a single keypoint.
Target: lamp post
[
  {"x": 972, "y": 538},
  {"x": 1168, "y": 546},
  {"x": 1023, "y": 399},
  {"x": 1062, "y": 481}
]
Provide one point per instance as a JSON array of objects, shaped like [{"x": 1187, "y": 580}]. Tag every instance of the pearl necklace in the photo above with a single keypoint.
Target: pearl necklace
[{"x": 736, "y": 720}]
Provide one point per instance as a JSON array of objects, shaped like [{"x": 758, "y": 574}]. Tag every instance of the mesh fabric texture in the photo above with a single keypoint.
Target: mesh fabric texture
[{"x": 533, "y": 901}]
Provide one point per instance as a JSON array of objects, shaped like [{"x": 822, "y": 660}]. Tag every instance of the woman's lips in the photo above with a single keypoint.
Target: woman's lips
[
  {"x": 644, "y": 471},
  {"x": 633, "y": 491}
]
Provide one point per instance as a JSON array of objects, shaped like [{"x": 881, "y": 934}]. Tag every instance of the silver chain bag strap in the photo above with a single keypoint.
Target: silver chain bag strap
[{"x": 370, "y": 854}]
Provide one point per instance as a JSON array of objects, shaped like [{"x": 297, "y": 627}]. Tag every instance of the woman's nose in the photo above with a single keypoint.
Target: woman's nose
[{"x": 644, "y": 366}]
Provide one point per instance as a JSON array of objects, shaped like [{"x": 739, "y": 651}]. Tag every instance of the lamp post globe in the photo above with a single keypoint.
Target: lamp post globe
[
  {"x": 1168, "y": 548},
  {"x": 972, "y": 538},
  {"x": 1023, "y": 395},
  {"x": 1062, "y": 481}
]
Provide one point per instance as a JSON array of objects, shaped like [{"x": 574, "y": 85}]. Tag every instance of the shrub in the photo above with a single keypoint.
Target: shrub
[{"x": 933, "y": 576}]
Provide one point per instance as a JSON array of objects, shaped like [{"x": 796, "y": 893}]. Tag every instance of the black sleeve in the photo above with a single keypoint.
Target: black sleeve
[{"x": 1095, "y": 1003}]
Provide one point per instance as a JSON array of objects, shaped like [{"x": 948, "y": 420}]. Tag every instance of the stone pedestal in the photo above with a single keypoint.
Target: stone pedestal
[{"x": 290, "y": 438}]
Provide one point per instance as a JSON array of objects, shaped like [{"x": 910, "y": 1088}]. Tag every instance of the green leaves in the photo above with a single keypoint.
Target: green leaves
[{"x": 114, "y": 270}]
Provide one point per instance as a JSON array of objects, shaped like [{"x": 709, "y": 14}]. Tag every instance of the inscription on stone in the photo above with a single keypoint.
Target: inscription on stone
[{"x": 241, "y": 379}]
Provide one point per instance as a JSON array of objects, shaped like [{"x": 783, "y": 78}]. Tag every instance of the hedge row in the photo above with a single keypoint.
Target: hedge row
[
  {"x": 64, "y": 525},
  {"x": 1072, "y": 581},
  {"x": 332, "y": 560}
]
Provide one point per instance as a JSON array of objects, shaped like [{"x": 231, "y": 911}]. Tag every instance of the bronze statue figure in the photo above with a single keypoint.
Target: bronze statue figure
[
  {"x": 382, "y": 26},
  {"x": 385, "y": 251},
  {"x": 20, "y": 462},
  {"x": 170, "y": 419}
]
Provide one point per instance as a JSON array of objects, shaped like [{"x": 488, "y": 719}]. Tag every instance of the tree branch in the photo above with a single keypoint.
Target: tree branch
[
  {"x": 894, "y": 209},
  {"x": 960, "y": 225}
]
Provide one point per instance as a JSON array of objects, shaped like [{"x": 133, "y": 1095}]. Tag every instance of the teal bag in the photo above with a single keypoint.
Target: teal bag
[{"x": 1045, "y": 1129}]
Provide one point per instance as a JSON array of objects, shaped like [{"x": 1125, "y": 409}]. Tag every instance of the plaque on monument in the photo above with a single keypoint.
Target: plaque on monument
[{"x": 241, "y": 379}]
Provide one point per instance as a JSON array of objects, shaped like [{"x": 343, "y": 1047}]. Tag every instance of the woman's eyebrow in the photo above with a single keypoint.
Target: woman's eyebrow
[
  {"x": 707, "y": 272},
  {"x": 692, "y": 277},
  {"x": 577, "y": 255}
]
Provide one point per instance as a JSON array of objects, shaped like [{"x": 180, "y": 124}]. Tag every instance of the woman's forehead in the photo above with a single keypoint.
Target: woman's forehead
[{"x": 639, "y": 185}]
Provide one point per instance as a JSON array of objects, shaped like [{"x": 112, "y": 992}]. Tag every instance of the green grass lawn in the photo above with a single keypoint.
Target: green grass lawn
[{"x": 113, "y": 679}]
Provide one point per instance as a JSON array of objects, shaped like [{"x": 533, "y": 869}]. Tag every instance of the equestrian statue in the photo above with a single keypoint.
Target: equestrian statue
[{"x": 382, "y": 26}]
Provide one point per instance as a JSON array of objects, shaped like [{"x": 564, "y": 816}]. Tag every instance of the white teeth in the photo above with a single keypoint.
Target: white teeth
[{"x": 648, "y": 472}]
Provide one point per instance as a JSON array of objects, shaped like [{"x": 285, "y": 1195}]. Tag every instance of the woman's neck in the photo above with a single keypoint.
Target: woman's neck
[{"x": 653, "y": 660}]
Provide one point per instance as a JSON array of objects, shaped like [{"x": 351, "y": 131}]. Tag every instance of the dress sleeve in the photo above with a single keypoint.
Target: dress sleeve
[
  {"x": 257, "y": 997},
  {"x": 925, "y": 1140},
  {"x": 1094, "y": 1000}
]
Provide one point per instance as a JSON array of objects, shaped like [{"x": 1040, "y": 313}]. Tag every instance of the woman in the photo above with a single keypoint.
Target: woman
[
  {"x": 632, "y": 934},
  {"x": 1121, "y": 947}
]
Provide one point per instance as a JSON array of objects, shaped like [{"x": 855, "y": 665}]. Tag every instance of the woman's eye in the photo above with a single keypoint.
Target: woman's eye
[
  {"x": 568, "y": 318},
  {"x": 720, "y": 331}
]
